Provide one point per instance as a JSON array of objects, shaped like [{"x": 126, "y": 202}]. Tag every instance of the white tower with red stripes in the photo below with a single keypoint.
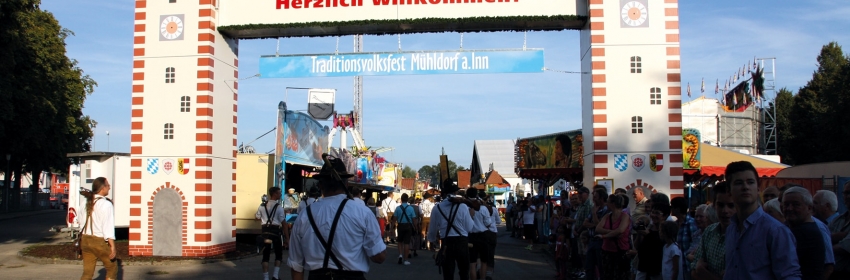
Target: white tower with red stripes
[
  {"x": 631, "y": 94},
  {"x": 183, "y": 148}
]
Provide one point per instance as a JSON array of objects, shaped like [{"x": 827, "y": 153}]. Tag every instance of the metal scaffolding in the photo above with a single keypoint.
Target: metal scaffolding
[
  {"x": 358, "y": 90},
  {"x": 767, "y": 105}
]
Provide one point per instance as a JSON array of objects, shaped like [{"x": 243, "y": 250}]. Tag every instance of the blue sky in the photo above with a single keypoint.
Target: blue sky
[{"x": 418, "y": 115}]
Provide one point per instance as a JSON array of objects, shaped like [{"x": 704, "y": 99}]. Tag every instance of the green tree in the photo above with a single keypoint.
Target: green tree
[
  {"x": 815, "y": 113},
  {"x": 784, "y": 103},
  {"x": 41, "y": 118},
  {"x": 431, "y": 173},
  {"x": 408, "y": 172}
]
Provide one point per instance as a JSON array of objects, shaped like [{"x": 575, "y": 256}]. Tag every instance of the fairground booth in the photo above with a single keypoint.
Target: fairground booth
[
  {"x": 546, "y": 159},
  {"x": 705, "y": 165},
  {"x": 301, "y": 140}
]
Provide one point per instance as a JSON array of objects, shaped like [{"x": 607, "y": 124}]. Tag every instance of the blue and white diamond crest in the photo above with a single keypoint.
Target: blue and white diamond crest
[
  {"x": 621, "y": 162},
  {"x": 153, "y": 165}
]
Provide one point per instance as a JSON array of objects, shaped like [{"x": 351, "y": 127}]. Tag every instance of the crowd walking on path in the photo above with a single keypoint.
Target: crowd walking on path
[{"x": 782, "y": 232}]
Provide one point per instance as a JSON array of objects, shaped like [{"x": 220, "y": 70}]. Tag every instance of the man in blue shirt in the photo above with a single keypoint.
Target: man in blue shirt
[
  {"x": 757, "y": 246},
  {"x": 405, "y": 217}
]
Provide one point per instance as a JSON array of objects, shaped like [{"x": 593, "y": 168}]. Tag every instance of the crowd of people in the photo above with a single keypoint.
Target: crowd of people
[
  {"x": 463, "y": 229},
  {"x": 784, "y": 232}
]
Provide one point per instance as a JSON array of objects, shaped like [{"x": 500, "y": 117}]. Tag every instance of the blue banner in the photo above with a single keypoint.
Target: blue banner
[
  {"x": 402, "y": 63},
  {"x": 300, "y": 139}
]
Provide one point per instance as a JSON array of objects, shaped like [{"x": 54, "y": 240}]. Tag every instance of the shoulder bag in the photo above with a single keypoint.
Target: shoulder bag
[{"x": 78, "y": 243}]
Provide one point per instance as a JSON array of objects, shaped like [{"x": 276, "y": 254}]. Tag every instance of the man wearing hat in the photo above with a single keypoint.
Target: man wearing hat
[
  {"x": 451, "y": 222},
  {"x": 336, "y": 238}
]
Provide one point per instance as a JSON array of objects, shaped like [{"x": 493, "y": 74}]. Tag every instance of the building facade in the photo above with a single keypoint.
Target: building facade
[
  {"x": 631, "y": 94},
  {"x": 183, "y": 137}
]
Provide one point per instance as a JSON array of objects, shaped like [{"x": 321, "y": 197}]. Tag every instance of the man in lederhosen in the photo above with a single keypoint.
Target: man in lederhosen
[
  {"x": 478, "y": 236},
  {"x": 451, "y": 222},
  {"x": 388, "y": 205},
  {"x": 490, "y": 238},
  {"x": 272, "y": 216},
  {"x": 336, "y": 238}
]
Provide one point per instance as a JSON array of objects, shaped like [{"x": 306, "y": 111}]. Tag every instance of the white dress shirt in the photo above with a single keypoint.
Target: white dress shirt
[
  {"x": 357, "y": 237},
  {"x": 426, "y": 206},
  {"x": 388, "y": 205},
  {"x": 439, "y": 224},
  {"x": 304, "y": 203},
  {"x": 496, "y": 219},
  {"x": 279, "y": 216},
  {"x": 103, "y": 218},
  {"x": 358, "y": 200},
  {"x": 480, "y": 220}
]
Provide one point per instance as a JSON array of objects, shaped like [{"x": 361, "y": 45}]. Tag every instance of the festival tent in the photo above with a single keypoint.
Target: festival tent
[{"x": 713, "y": 162}]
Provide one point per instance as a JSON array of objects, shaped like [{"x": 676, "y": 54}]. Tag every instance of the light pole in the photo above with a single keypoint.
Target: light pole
[{"x": 107, "y": 140}]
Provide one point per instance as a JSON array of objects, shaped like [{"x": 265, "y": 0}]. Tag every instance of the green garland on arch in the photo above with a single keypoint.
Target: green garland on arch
[{"x": 459, "y": 22}]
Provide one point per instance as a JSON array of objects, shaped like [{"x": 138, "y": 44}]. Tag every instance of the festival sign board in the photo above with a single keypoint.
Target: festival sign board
[
  {"x": 274, "y": 18},
  {"x": 402, "y": 63},
  {"x": 387, "y": 176},
  {"x": 690, "y": 148},
  {"x": 320, "y": 103},
  {"x": 300, "y": 140},
  {"x": 559, "y": 150}
]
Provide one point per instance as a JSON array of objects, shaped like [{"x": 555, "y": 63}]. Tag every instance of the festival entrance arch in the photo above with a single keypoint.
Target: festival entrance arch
[{"x": 185, "y": 67}]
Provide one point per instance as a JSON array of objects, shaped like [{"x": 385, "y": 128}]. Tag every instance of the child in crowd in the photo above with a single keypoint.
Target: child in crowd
[
  {"x": 671, "y": 266},
  {"x": 562, "y": 253}
]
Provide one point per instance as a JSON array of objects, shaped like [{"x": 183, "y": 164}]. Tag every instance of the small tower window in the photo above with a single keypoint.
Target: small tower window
[
  {"x": 172, "y": 1},
  {"x": 169, "y": 75},
  {"x": 636, "y": 64},
  {"x": 655, "y": 96},
  {"x": 637, "y": 124},
  {"x": 185, "y": 104},
  {"x": 169, "y": 131}
]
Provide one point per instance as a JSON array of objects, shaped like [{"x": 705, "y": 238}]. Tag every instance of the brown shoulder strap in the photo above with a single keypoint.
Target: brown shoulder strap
[{"x": 88, "y": 215}]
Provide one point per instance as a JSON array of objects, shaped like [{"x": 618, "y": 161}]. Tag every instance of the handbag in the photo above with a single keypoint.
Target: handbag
[{"x": 78, "y": 243}]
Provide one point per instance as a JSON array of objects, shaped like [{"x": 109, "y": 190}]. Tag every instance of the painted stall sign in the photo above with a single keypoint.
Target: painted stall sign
[
  {"x": 300, "y": 140},
  {"x": 690, "y": 148},
  {"x": 559, "y": 150}
]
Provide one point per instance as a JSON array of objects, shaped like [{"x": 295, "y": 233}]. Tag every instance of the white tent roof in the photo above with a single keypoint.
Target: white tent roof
[{"x": 498, "y": 152}]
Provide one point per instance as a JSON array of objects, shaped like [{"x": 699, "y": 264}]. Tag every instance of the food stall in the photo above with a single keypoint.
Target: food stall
[{"x": 548, "y": 158}]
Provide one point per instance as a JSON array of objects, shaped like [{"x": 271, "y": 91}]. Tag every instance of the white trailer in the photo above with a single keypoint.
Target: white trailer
[{"x": 115, "y": 167}]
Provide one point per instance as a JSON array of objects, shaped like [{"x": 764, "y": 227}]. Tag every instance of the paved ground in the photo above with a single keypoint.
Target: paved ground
[
  {"x": 16, "y": 233},
  {"x": 21, "y": 229}
]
